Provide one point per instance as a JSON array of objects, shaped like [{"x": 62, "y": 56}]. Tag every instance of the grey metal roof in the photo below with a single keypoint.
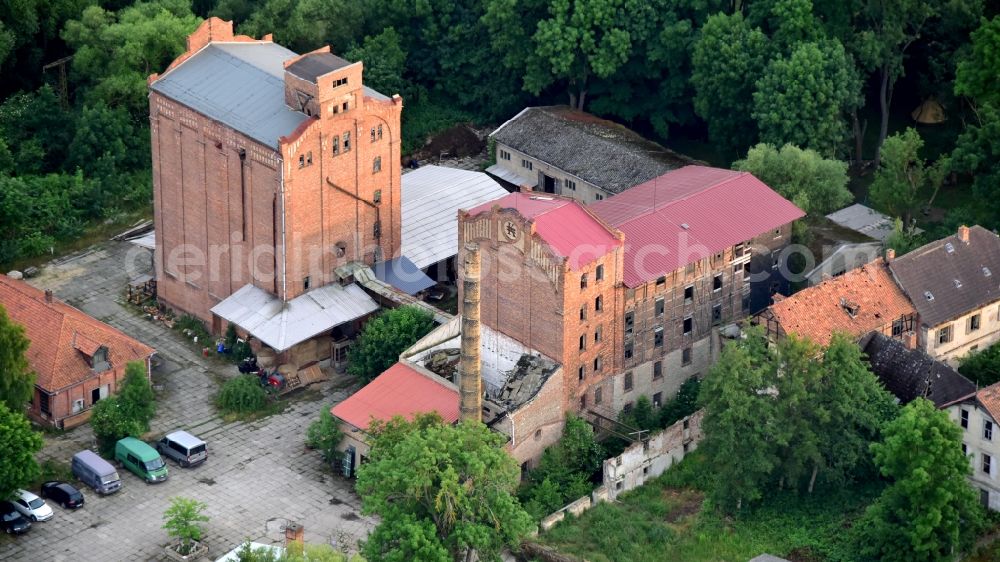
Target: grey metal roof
[
  {"x": 865, "y": 220},
  {"x": 948, "y": 278},
  {"x": 238, "y": 84},
  {"x": 910, "y": 373},
  {"x": 601, "y": 152},
  {"x": 281, "y": 325},
  {"x": 402, "y": 274},
  {"x": 314, "y": 65},
  {"x": 241, "y": 85},
  {"x": 431, "y": 197}
]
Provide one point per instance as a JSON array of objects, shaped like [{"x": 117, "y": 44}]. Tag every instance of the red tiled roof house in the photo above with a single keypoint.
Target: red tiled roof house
[
  {"x": 858, "y": 302},
  {"x": 77, "y": 360}
]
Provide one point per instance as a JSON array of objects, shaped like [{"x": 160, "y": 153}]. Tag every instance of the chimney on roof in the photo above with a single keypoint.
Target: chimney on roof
[
  {"x": 890, "y": 254},
  {"x": 470, "y": 384},
  {"x": 48, "y": 295},
  {"x": 910, "y": 339},
  {"x": 963, "y": 234}
]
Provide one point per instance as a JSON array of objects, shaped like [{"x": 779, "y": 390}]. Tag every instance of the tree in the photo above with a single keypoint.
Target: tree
[
  {"x": 885, "y": 31},
  {"x": 442, "y": 492},
  {"x": 983, "y": 366},
  {"x": 38, "y": 131},
  {"x": 804, "y": 98},
  {"x": 856, "y": 407},
  {"x": 641, "y": 416},
  {"x": 307, "y": 24},
  {"x": 17, "y": 380},
  {"x": 111, "y": 421},
  {"x": 726, "y": 59},
  {"x": 817, "y": 185},
  {"x": 739, "y": 416},
  {"x": 116, "y": 52},
  {"x": 901, "y": 176},
  {"x": 977, "y": 155},
  {"x": 385, "y": 337},
  {"x": 682, "y": 405},
  {"x": 801, "y": 418},
  {"x": 929, "y": 511},
  {"x": 384, "y": 60},
  {"x": 19, "y": 443},
  {"x": 976, "y": 76},
  {"x": 902, "y": 239},
  {"x": 136, "y": 395},
  {"x": 786, "y": 22},
  {"x": 182, "y": 521},
  {"x": 324, "y": 435},
  {"x": 571, "y": 42}
]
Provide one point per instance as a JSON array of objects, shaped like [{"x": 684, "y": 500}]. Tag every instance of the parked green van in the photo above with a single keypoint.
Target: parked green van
[{"x": 141, "y": 459}]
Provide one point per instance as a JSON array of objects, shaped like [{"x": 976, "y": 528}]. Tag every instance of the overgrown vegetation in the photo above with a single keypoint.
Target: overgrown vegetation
[
  {"x": 565, "y": 472},
  {"x": 19, "y": 443},
  {"x": 645, "y": 417},
  {"x": 385, "y": 337},
  {"x": 669, "y": 519},
  {"x": 126, "y": 414},
  {"x": 442, "y": 492},
  {"x": 295, "y": 552},
  {"x": 17, "y": 381},
  {"x": 983, "y": 366},
  {"x": 324, "y": 435},
  {"x": 242, "y": 395}
]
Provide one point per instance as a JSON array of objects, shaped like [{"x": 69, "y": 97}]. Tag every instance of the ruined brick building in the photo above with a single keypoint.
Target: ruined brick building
[
  {"x": 626, "y": 294},
  {"x": 270, "y": 170}
]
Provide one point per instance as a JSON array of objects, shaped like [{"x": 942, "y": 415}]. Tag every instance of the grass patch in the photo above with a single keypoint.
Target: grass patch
[
  {"x": 667, "y": 519},
  {"x": 52, "y": 470}
]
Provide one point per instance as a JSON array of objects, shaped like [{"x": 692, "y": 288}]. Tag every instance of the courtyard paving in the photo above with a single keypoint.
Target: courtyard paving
[{"x": 259, "y": 475}]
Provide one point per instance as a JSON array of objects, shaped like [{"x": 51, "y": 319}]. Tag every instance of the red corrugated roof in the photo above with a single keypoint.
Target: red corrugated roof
[
  {"x": 688, "y": 214},
  {"x": 400, "y": 391},
  {"x": 565, "y": 225},
  {"x": 63, "y": 338}
]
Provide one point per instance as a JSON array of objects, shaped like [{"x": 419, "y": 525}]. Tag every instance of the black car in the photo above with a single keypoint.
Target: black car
[
  {"x": 62, "y": 494},
  {"x": 11, "y": 519}
]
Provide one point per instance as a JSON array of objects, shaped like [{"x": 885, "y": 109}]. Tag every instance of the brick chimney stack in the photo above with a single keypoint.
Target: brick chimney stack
[
  {"x": 470, "y": 384},
  {"x": 890, "y": 254},
  {"x": 48, "y": 295},
  {"x": 963, "y": 234}
]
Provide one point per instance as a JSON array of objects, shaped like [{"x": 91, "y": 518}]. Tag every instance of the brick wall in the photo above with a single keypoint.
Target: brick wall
[
  {"x": 268, "y": 218},
  {"x": 532, "y": 295}
]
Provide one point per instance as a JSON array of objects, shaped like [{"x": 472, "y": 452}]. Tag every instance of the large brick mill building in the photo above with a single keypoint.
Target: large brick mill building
[
  {"x": 270, "y": 170},
  {"x": 629, "y": 294}
]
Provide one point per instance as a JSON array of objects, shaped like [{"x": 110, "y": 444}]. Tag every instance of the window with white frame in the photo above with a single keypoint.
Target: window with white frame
[
  {"x": 964, "y": 418},
  {"x": 987, "y": 430},
  {"x": 987, "y": 464}
]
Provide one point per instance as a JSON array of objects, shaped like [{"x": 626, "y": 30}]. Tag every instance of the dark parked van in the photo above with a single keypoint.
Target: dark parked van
[
  {"x": 185, "y": 449},
  {"x": 96, "y": 472}
]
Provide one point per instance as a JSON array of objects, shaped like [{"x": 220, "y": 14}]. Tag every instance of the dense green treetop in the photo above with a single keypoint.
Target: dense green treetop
[
  {"x": 817, "y": 185},
  {"x": 19, "y": 443}
]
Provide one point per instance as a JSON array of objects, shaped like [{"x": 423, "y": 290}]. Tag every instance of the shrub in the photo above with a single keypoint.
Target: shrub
[
  {"x": 682, "y": 405},
  {"x": 324, "y": 435},
  {"x": 195, "y": 326},
  {"x": 385, "y": 337},
  {"x": 982, "y": 367},
  {"x": 136, "y": 396},
  {"x": 111, "y": 420},
  {"x": 242, "y": 395},
  {"x": 565, "y": 471},
  {"x": 181, "y": 520}
]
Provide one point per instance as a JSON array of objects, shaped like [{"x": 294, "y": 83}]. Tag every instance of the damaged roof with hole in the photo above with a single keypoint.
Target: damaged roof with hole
[
  {"x": 949, "y": 277},
  {"x": 857, "y": 302},
  {"x": 596, "y": 150},
  {"x": 910, "y": 373}
]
